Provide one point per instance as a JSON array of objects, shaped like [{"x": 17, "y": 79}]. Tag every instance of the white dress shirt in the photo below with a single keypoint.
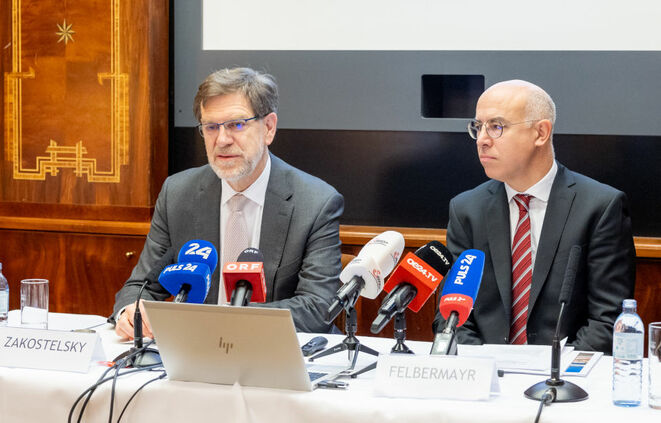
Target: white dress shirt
[
  {"x": 252, "y": 211},
  {"x": 540, "y": 197}
]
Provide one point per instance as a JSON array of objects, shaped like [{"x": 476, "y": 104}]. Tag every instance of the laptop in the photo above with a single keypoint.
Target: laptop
[{"x": 253, "y": 346}]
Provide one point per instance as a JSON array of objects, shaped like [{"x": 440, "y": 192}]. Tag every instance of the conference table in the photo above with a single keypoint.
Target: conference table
[{"x": 28, "y": 395}]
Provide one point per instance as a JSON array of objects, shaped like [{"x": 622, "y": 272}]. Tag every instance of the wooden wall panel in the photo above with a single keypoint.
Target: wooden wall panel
[
  {"x": 85, "y": 103},
  {"x": 648, "y": 290},
  {"x": 84, "y": 124},
  {"x": 85, "y": 271}
]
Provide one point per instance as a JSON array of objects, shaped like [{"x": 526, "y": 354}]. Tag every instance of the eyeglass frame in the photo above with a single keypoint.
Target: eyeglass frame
[
  {"x": 200, "y": 126},
  {"x": 479, "y": 131}
]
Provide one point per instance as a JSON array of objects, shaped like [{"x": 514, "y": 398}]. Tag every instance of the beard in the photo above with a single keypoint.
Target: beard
[{"x": 236, "y": 172}]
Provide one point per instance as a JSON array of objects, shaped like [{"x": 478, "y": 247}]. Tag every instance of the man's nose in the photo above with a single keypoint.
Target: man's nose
[
  {"x": 223, "y": 137},
  {"x": 483, "y": 137}
]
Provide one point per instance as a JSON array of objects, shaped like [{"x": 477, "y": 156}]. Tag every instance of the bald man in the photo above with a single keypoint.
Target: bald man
[{"x": 526, "y": 219}]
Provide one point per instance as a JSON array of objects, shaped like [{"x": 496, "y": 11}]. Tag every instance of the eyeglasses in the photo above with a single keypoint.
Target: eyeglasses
[
  {"x": 233, "y": 126},
  {"x": 494, "y": 127}
]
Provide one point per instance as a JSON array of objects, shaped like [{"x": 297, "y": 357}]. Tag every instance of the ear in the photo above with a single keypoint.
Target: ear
[
  {"x": 544, "y": 128},
  {"x": 271, "y": 122}
]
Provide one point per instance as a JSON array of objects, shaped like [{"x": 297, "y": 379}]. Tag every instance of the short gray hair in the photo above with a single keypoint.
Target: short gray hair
[
  {"x": 540, "y": 105},
  {"x": 259, "y": 88}
]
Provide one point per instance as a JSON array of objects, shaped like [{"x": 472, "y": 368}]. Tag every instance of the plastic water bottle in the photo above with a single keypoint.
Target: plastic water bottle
[
  {"x": 4, "y": 298},
  {"x": 628, "y": 338}
]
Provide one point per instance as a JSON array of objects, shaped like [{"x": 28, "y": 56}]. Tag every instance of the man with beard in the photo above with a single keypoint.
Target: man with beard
[{"x": 245, "y": 197}]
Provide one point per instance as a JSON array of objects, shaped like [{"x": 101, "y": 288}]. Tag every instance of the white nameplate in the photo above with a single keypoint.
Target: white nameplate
[
  {"x": 49, "y": 349},
  {"x": 436, "y": 376}
]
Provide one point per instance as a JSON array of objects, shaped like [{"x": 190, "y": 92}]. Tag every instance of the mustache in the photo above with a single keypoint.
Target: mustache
[{"x": 228, "y": 152}]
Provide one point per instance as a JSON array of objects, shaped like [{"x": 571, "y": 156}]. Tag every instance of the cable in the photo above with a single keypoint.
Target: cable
[
  {"x": 547, "y": 398},
  {"x": 102, "y": 379},
  {"x": 161, "y": 376},
  {"x": 112, "y": 390},
  {"x": 121, "y": 364},
  {"x": 96, "y": 385}
]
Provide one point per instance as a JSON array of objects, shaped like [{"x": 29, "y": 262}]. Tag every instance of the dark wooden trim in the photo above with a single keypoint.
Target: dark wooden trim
[
  {"x": 646, "y": 247},
  {"x": 83, "y": 226}
]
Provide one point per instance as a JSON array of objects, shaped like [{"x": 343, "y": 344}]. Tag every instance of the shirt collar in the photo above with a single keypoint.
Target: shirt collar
[
  {"x": 255, "y": 192},
  {"x": 541, "y": 190}
]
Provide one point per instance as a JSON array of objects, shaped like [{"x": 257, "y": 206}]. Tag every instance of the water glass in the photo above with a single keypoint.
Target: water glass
[
  {"x": 654, "y": 358},
  {"x": 34, "y": 303}
]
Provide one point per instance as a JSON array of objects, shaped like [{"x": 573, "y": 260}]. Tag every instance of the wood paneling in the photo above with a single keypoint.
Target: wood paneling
[
  {"x": 85, "y": 270},
  {"x": 105, "y": 90},
  {"x": 646, "y": 247},
  {"x": 84, "y": 124}
]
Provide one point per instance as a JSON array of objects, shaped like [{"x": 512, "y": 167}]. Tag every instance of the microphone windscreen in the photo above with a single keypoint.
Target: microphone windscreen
[
  {"x": 462, "y": 284},
  {"x": 250, "y": 268},
  {"x": 417, "y": 272},
  {"x": 570, "y": 274},
  {"x": 251, "y": 254},
  {"x": 196, "y": 275},
  {"x": 436, "y": 255},
  {"x": 374, "y": 262},
  {"x": 199, "y": 251}
]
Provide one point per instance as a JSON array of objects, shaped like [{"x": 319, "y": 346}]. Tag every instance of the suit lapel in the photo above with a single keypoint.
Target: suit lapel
[
  {"x": 207, "y": 223},
  {"x": 557, "y": 211},
  {"x": 276, "y": 218},
  {"x": 498, "y": 230}
]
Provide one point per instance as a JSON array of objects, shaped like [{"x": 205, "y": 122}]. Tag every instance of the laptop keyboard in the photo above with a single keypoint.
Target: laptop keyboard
[{"x": 316, "y": 375}]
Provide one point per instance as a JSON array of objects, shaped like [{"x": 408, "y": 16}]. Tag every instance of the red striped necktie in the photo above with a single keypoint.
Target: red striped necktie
[{"x": 521, "y": 271}]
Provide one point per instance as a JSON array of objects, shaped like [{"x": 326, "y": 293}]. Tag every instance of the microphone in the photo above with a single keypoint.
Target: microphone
[
  {"x": 190, "y": 281},
  {"x": 199, "y": 251},
  {"x": 245, "y": 278},
  {"x": 457, "y": 298},
  {"x": 412, "y": 283},
  {"x": 556, "y": 389},
  {"x": 363, "y": 275},
  {"x": 151, "y": 277},
  {"x": 148, "y": 356}
]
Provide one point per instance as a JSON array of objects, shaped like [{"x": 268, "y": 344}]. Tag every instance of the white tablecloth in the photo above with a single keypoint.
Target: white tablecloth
[{"x": 38, "y": 396}]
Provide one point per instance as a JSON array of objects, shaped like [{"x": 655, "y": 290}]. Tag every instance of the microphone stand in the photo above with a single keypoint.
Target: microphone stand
[
  {"x": 398, "y": 348},
  {"x": 556, "y": 389},
  {"x": 445, "y": 341},
  {"x": 560, "y": 390},
  {"x": 143, "y": 357},
  {"x": 351, "y": 344},
  {"x": 400, "y": 335}
]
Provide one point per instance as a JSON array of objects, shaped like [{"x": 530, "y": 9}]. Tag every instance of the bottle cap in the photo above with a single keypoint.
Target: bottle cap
[{"x": 629, "y": 303}]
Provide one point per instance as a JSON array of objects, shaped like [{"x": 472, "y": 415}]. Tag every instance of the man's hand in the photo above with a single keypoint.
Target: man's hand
[{"x": 124, "y": 323}]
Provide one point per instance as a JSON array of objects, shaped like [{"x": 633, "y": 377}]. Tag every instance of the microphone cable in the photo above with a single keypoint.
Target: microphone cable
[
  {"x": 161, "y": 376},
  {"x": 103, "y": 379},
  {"x": 547, "y": 399},
  {"x": 121, "y": 365}
]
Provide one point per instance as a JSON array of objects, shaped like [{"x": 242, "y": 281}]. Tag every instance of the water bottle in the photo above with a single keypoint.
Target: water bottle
[
  {"x": 4, "y": 298},
  {"x": 628, "y": 338}
]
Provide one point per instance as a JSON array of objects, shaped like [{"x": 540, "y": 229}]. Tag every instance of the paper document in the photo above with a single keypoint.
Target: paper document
[{"x": 533, "y": 359}]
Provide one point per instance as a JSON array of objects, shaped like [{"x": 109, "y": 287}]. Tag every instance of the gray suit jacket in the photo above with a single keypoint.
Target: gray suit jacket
[
  {"x": 580, "y": 211},
  {"x": 299, "y": 239}
]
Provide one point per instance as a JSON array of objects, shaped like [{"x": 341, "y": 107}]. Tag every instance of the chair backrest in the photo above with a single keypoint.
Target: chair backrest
[{"x": 346, "y": 259}]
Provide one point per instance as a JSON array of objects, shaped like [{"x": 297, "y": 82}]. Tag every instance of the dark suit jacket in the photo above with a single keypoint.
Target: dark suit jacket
[
  {"x": 580, "y": 211},
  {"x": 299, "y": 239}
]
